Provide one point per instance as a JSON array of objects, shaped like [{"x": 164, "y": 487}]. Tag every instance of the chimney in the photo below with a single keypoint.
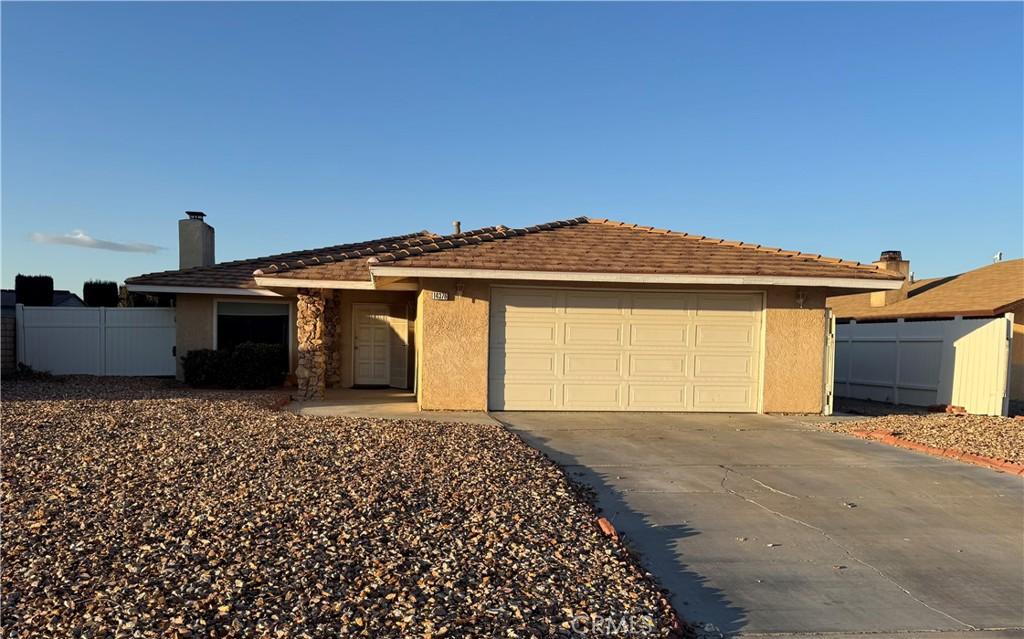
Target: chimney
[
  {"x": 457, "y": 225},
  {"x": 195, "y": 241},
  {"x": 892, "y": 261}
]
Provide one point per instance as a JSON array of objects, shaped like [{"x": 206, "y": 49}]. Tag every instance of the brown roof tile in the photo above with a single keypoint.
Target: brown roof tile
[
  {"x": 576, "y": 245},
  {"x": 989, "y": 290},
  {"x": 239, "y": 274},
  {"x": 599, "y": 246}
]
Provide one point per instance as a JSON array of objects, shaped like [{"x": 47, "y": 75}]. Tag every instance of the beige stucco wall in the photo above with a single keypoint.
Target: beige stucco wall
[
  {"x": 452, "y": 346},
  {"x": 1017, "y": 355},
  {"x": 794, "y": 353},
  {"x": 452, "y": 339},
  {"x": 194, "y": 318}
]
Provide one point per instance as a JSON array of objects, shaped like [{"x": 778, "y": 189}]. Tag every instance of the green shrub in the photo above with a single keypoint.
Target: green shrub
[
  {"x": 97, "y": 293},
  {"x": 258, "y": 365},
  {"x": 33, "y": 290},
  {"x": 248, "y": 365},
  {"x": 27, "y": 373},
  {"x": 206, "y": 368}
]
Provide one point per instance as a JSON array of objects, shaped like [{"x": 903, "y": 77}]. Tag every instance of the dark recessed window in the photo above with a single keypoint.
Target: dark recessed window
[{"x": 239, "y": 322}]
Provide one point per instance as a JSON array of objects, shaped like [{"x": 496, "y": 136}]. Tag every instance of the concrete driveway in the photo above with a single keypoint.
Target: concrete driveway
[{"x": 762, "y": 524}]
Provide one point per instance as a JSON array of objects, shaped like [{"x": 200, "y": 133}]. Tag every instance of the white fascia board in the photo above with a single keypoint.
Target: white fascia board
[
  {"x": 637, "y": 278},
  {"x": 288, "y": 282},
  {"x": 201, "y": 290},
  {"x": 281, "y": 282}
]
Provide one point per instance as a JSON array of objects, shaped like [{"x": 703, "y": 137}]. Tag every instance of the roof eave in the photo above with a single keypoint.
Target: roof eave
[
  {"x": 359, "y": 285},
  {"x": 200, "y": 290},
  {"x": 638, "y": 278},
  {"x": 919, "y": 315},
  {"x": 1007, "y": 308}
]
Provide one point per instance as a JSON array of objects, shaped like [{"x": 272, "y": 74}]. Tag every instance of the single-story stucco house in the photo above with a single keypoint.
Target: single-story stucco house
[
  {"x": 988, "y": 292},
  {"x": 579, "y": 314}
]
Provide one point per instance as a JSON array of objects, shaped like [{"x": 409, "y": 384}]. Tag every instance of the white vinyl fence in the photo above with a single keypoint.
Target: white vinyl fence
[
  {"x": 96, "y": 341},
  {"x": 963, "y": 362}
]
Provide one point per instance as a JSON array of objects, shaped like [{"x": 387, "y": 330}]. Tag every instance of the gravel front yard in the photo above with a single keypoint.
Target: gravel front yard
[
  {"x": 1001, "y": 438},
  {"x": 131, "y": 508}
]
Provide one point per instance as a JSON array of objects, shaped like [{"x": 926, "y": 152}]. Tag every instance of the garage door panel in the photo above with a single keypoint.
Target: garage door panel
[
  {"x": 717, "y": 398},
  {"x": 529, "y": 301},
  {"x": 723, "y": 365},
  {"x": 532, "y": 363},
  {"x": 730, "y": 305},
  {"x": 624, "y": 350},
  {"x": 583, "y": 333},
  {"x": 724, "y": 335},
  {"x": 652, "y": 365},
  {"x": 659, "y": 335},
  {"x": 594, "y": 303},
  {"x": 528, "y": 395},
  {"x": 658, "y": 397},
  {"x": 527, "y": 334},
  {"x": 592, "y": 395},
  {"x": 646, "y": 304},
  {"x": 592, "y": 364}
]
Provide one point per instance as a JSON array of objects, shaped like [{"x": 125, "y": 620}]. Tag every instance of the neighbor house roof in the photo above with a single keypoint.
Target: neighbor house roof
[
  {"x": 239, "y": 274},
  {"x": 583, "y": 245},
  {"x": 61, "y": 297},
  {"x": 987, "y": 291}
]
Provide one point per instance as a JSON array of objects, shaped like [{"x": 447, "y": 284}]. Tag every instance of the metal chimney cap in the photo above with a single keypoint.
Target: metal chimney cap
[
  {"x": 195, "y": 215},
  {"x": 891, "y": 256}
]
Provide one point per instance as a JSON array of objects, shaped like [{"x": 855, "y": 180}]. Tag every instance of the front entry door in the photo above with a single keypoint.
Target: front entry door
[{"x": 370, "y": 344}]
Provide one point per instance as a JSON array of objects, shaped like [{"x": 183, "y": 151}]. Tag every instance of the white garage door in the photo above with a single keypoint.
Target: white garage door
[{"x": 574, "y": 349}]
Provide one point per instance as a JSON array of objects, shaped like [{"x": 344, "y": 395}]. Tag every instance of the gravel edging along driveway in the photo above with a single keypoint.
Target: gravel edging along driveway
[
  {"x": 887, "y": 437},
  {"x": 993, "y": 442},
  {"x": 136, "y": 509}
]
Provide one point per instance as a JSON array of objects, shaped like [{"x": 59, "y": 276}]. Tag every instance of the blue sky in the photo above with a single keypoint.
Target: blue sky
[{"x": 842, "y": 129}]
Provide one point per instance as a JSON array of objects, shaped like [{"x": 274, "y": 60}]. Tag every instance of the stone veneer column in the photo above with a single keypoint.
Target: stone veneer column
[
  {"x": 332, "y": 334},
  {"x": 311, "y": 372}
]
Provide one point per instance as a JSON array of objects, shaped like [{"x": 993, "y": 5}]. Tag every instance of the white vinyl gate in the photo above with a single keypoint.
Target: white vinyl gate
[
  {"x": 963, "y": 362},
  {"x": 96, "y": 341}
]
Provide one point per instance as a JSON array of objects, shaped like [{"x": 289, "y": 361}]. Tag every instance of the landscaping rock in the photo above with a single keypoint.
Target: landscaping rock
[
  {"x": 1000, "y": 438},
  {"x": 133, "y": 508}
]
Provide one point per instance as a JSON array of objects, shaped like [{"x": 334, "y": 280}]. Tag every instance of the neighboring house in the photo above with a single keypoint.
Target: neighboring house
[
  {"x": 581, "y": 314},
  {"x": 8, "y": 334},
  {"x": 988, "y": 292},
  {"x": 60, "y": 298}
]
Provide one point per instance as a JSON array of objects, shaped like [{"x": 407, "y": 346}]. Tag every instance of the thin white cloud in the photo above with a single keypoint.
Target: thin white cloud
[{"x": 80, "y": 238}]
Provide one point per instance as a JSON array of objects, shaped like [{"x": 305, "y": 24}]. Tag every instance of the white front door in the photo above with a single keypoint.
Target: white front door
[{"x": 370, "y": 346}]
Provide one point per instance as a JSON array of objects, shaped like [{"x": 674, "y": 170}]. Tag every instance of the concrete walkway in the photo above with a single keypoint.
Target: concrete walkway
[
  {"x": 384, "y": 403},
  {"x": 764, "y": 524}
]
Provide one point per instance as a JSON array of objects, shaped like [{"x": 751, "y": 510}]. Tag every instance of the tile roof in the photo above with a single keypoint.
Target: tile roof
[
  {"x": 587, "y": 245},
  {"x": 986, "y": 291},
  {"x": 576, "y": 245},
  {"x": 239, "y": 274}
]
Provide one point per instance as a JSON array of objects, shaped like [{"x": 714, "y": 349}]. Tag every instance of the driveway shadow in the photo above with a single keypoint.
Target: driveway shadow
[{"x": 656, "y": 546}]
